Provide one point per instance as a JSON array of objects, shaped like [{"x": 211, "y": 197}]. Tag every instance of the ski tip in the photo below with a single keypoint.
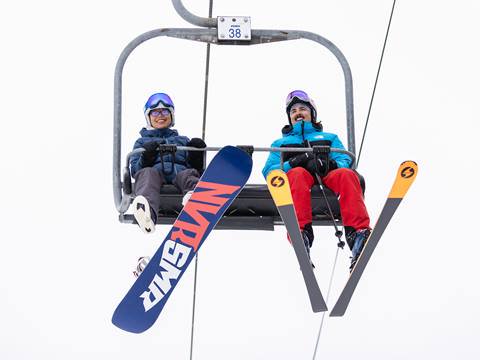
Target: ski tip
[
  {"x": 407, "y": 172},
  {"x": 408, "y": 162},
  {"x": 277, "y": 182}
]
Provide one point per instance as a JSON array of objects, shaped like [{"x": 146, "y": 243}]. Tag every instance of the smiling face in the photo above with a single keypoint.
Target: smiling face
[
  {"x": 298, "y": 112},
  {"x": 160, "y": 118}
]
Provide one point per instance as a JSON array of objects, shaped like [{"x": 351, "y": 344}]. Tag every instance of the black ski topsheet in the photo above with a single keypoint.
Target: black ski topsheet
[
  {"x": 280, "y": 189},
  {"x": 405, "y": 176}
]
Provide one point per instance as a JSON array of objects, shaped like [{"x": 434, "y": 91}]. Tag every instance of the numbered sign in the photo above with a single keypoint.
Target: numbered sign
[{"x": 234, "y": 28}]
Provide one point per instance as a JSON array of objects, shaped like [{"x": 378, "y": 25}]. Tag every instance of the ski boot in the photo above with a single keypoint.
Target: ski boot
[
  {"x": 358, "y": 240},
  {"x": 307, "y": 236},
  {"x": 144, "y": 214},
  {"x": 141, "y": 265}
]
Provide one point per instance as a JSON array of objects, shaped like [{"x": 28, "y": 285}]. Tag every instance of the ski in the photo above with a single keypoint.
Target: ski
[
  {"x": 279, "y": 187},
  {"x": 405, "y": 176},
  {"x": 221, "y": 182}
]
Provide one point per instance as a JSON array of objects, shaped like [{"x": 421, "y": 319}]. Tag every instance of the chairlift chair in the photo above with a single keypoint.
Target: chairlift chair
[{"x": 254, "y": 208}]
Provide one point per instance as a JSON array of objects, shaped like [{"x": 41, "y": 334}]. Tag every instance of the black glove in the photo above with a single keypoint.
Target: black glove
[
  {"x": 197, "y": 142},
  {"x": 195, "y": 158},
  {"x": 300, "y": 160},
  {"x": 149, "y": 156},
  {"x": 321, "y": 167}
]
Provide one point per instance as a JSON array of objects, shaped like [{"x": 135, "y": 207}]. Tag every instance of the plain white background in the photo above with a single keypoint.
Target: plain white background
[{"x": 66, "y": 261}]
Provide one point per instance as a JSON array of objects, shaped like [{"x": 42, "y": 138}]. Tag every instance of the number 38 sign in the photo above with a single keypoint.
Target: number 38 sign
[{"x": 234, "y": 28}]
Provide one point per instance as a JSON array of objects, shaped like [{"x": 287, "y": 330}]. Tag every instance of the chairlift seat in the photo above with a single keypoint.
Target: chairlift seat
[{"x": 253, "y": 209}]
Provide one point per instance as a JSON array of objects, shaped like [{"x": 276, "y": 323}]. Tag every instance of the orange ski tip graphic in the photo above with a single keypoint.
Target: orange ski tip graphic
[
  {"x": 406, "y": 175},
  {"x": 277, "y": 182}
]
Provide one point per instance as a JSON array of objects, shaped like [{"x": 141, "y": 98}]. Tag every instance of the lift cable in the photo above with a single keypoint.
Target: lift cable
[
  {"x": 204, "y": 126},
  {"x": 376, "y": 80},
  {"x": 358, "y": 159},
  {"x": 326, "y": 300}
]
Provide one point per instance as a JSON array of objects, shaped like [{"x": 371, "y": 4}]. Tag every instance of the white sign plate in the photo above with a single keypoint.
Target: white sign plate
[{"x": 234, "y": 28}]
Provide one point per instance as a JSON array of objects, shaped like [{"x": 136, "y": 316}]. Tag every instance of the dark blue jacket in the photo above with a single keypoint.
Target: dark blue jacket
[{"x": 169, "y": 136}]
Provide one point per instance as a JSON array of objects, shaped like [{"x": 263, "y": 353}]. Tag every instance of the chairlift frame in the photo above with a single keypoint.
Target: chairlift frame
[{"x": 253, "y": 209}]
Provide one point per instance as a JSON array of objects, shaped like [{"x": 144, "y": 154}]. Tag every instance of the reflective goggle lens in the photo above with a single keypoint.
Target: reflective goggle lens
[
  {"x": 299, "y": 94},
  {"x": 156, "y": 99}
]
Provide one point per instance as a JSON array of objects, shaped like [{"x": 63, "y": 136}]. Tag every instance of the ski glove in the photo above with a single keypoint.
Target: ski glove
[
  {"x": 322, "y": 167},
  {"x": 149, "y": 156},
  {"x": 301, "y": 160},
  {"x": 195, "y": 158}
]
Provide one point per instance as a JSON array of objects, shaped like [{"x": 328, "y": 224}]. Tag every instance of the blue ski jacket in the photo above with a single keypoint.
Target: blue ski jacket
[
  {"x": 297, "y": 136},
  {"x": 167, "y": 136}
]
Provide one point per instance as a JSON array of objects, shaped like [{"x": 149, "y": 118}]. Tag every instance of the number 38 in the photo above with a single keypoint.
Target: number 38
[{"x": 234, "y": 33}]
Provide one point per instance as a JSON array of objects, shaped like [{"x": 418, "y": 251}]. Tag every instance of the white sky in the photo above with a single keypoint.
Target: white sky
[{"x": 66, "y": 261}]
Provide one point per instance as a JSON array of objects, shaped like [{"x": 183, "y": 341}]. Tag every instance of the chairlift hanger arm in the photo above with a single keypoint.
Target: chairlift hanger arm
[
  {"x": 191, "y": 18},
  {"x": 268, "y": 36}
]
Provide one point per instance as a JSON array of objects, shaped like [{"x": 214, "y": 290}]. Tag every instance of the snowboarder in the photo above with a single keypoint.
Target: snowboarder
[
  {"x": 304, "y": 130},
  {"x": 150, "y": 171}
]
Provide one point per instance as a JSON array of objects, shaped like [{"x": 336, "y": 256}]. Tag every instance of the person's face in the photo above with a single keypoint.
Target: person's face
[
  {"x": 298, "y": 112},
  {"x": 160, "y": 118}
]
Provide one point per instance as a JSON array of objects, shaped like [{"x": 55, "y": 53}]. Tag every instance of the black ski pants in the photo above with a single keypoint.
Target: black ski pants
[{"x": 148, "y": 183}]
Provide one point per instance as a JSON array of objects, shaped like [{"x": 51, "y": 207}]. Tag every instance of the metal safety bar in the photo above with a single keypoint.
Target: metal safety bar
[{"x": 259, "y": 149}]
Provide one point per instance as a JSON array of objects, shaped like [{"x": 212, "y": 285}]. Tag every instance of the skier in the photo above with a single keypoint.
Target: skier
[
  {"x": 304, "y": 130},
  {"x": 150, "y": 171}
]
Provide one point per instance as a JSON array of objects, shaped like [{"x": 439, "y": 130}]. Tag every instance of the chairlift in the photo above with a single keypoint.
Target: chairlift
[{"x": 254, "y": 208}]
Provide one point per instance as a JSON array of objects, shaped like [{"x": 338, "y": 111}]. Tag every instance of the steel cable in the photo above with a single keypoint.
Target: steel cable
[
  {"x": 376, "y": 81},
  {"x": 204, "y": 126},
  {"x": 326, "y": 300},
  {"x": 358, "y": 160}
]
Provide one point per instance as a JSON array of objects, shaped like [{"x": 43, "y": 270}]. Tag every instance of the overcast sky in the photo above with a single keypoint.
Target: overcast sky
[{"x": 66, "y": 261}]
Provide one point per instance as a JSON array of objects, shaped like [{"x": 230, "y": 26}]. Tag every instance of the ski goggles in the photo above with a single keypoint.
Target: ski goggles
[
  {"x": 156, "y": 99},
  {"x": 158, "y": 112},
  {"x": 299, "y": 95}
]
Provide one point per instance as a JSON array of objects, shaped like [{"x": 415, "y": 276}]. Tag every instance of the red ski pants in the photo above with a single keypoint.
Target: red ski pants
[{"x": 343, "y": 182}]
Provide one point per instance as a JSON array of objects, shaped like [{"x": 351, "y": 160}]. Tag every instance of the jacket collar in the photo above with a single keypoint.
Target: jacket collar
[
  {"x": 164, "y": 133},
  {"x": 308, "y": 127}
]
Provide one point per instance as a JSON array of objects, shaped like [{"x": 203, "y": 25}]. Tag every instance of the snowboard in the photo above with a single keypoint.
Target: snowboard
[{"x": 221, "y": 182}]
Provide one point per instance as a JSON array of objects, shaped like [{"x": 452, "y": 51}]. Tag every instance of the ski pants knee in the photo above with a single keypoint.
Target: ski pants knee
[
  {"x": 148, "y": 183},
  {"x": 343, "y": 182},
  {"x": 301, "y": 182},
  {"x": 346, "y": 185},
  {"x": 186, "y": 180}
]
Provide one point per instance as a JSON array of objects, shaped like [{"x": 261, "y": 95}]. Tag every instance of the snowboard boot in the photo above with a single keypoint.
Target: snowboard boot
[
  {"x": 141, "y": 265},
  {"x": 358, "y": 240},
  {"x": 144, "y": 215},
  {"x": 187, "y": 197}
]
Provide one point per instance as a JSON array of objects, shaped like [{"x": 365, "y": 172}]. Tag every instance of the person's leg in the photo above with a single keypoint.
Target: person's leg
[
  {"x": 148, "y": 183},
  {"x": 185, "y": 181},
  {"x": 301, "y": 182},
  {"x": 345, "y": 183}
]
